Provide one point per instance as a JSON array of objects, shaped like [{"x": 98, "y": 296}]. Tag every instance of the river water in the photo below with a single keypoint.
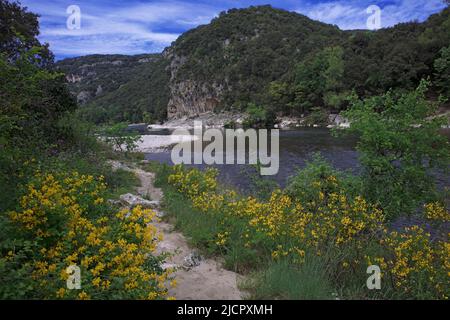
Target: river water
[{"x": 296, "y": 147}]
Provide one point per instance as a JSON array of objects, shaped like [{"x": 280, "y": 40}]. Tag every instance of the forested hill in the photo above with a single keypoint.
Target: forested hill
[
  {"x": 280, "y": 60},
  {"x": 118, "y": 87}
]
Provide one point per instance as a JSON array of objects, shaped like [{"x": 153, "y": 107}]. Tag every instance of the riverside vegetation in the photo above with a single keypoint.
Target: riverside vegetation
[
  {"x": 55, "y": 184},
  {"x": 312, "y": 240},
  {"x": 316, "y": 238}
]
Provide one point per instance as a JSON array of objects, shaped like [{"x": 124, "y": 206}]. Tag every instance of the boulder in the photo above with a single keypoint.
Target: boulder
[
  {"x": 115, "y": 202},
  {"x": 132, "y": 201},
  {"x": 160, "y": 214},
  {"x": 338, "y": 121}
]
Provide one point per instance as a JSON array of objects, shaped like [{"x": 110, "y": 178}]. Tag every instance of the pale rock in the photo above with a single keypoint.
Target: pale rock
[
  {"x": 133, "y": 201},
  {"x": 191, "y": 261}
]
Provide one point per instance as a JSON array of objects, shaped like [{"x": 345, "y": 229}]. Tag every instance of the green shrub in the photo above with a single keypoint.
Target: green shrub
[
  {"x": 400, "y": 146},
  {"x": 318, "y": 116},
  {"x": 301, "y": 185},
  {"x": 120, "y": 138},
  {"x": 259, "y": 117}
]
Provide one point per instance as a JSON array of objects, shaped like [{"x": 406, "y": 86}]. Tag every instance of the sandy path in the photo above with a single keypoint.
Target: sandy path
[{"x": 207, "y": 281}]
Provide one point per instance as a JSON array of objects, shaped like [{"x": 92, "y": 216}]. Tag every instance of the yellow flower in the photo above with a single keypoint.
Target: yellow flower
[
  {"x": 96, "y": 282},
  {"x": 99, "y": 201},
  {"x": 83, "y": 296},
  {"x": 61, "y": 293},
  {"x": 436, "y": 211}
]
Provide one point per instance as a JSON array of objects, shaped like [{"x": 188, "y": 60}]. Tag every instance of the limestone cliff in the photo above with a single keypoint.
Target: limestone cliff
[{"x": 189, "y": 97}]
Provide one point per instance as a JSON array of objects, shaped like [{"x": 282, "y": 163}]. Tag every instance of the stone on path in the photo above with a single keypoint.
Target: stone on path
[
  {"x": 192, "y": 260},
  {"x": 133, "y": 201}
]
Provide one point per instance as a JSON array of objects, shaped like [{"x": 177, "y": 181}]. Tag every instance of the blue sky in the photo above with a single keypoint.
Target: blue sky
[{"x": 147, "y": 26}]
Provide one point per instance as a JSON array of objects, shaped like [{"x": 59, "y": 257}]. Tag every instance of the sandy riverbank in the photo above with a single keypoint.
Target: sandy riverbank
[{"x": 160, "y": 143}]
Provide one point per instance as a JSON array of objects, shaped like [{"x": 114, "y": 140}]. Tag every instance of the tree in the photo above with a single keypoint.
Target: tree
[
  {"x": 399, "y": 146},
  {"x": 442, "y": 71},
  {"x": 282, "y": 96},
  {"x": 121, "y": 138},
  {"x": 18, "y": 32},
  {"x": 33, "y": 99},
  {"x": 319, "y": 80},
  {"x": 259, "y": 117}
]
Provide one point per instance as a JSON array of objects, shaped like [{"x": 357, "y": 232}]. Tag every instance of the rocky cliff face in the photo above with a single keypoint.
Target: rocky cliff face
[
  {"x": 189, "y": 98},
  {"x": 119, "y": 88}
]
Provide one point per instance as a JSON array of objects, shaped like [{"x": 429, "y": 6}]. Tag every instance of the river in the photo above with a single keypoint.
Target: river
[{"x": 296, "y": 147}]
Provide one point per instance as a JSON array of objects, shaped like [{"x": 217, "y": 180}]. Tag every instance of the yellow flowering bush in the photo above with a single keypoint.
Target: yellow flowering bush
[
  {"x": 332, "y": 219},
  {"x": 193, "y": 182},
  {"x": 329, "y": 223},
  {"x": 436, "y": 212},
  {"x": 415, "y": 265},
  {"x": 69, "y": 223}
]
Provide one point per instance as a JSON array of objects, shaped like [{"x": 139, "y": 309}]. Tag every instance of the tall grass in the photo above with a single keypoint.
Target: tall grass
[{"x": 284, "y": 280}]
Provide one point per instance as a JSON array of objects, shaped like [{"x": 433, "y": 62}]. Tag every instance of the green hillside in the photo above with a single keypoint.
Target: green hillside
[
  {"x": 247, "y": 49},
  {"x": 117, "y": 87},
  {"x": 280, "y": 60}
]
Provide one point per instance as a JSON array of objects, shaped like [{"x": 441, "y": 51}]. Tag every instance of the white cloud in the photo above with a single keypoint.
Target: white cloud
[
  {"x": 171, "y": 12},
  {"x": 352, "y": 14},
  {"x": 138, "y": 27},
  {"x": 123, "y": 29},
  {"x": 346, "y": 16}
]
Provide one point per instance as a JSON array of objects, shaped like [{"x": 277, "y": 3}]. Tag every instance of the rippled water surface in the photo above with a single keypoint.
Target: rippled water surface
[{"x": 296, "y": 147}]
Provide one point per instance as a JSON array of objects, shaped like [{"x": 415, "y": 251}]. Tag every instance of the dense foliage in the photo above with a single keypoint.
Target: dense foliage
[
  {"x": 53, "y": 187},
  {"x": 259, "y": 117},
  {"x": 325, "y": 224},
  {"x": 400, "y": 146},
  {"x": 115, "y": 88},
  {"x": 442, "y": 69},
  {"x": 247, "y": 49},
  {"x": 64, "y": 221},
  {"x": 18, "y": 33}
]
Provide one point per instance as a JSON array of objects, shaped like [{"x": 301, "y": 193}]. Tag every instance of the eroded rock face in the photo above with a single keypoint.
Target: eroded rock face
[
  {"x": 189, "y": 98},
  {"x": 73, "y": 78}
]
